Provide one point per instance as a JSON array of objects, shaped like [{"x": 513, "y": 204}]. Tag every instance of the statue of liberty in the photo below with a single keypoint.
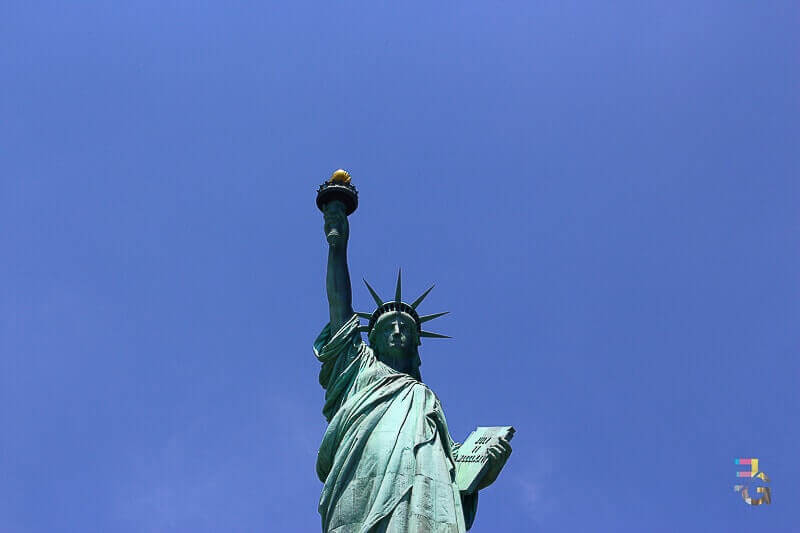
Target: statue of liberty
[{"x": 387, "y": 458}]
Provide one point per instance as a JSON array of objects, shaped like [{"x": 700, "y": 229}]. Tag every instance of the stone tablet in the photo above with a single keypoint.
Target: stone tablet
[{"x": 471, "y": 458}]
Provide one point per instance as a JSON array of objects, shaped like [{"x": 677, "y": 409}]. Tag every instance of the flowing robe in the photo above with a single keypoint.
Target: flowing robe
[{"x": 387, "y": 457}]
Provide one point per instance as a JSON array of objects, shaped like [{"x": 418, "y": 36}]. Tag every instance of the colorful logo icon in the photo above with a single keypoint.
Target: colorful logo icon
[{"x": 753, "y": 473}]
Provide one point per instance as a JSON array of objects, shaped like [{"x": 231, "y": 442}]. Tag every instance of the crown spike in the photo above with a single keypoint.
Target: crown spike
[
  {"x": 363, "y": 329},
  {"x": 425, "y": 318},
  {"x": 419, "y": 300},
  {"x": 364, "y": 315},
  {"x": 397, "y": 297},
  {"x": 374, "y": 294},
  {"x": 434, "y": 335}
]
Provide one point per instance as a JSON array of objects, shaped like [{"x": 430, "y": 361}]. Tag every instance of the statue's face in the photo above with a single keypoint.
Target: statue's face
[{"x": 395, "y": 334}]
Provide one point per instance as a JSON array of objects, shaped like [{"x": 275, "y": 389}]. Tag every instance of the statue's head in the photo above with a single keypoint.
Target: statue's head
[
  {"x": 394, "y": 331},
  {"x": 395, "y": 339}
]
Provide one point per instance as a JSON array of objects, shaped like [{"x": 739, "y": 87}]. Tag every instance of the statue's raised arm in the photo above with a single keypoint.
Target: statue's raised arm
[
  {"x": 340, "y": 295},
  {"x": 337, "y": 199}
]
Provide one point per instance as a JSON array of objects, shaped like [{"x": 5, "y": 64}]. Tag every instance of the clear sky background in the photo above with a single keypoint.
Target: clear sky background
[{"x": 606, "y": 195}]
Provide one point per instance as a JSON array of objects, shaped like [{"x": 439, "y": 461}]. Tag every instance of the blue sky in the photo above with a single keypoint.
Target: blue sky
[{"x": 606, "y": 196}]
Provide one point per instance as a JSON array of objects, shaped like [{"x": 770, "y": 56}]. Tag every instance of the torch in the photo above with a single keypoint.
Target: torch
[{"x": 338, "y": 187}]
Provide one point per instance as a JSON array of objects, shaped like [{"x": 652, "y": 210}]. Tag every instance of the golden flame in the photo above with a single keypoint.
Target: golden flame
[{"x": 340, "y": 176}]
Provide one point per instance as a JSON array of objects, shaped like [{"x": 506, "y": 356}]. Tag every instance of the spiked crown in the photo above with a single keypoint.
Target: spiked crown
[{"x": 398, "y": 305}]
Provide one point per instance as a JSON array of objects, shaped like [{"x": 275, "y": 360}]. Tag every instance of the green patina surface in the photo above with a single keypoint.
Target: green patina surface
[
  {"x": 386, "y": 459},
  {"x": 387, "y": 456}
]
